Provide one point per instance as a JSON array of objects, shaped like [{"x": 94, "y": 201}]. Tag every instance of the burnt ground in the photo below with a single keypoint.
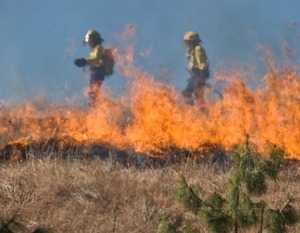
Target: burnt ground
[{"x": 211, "y": 154}]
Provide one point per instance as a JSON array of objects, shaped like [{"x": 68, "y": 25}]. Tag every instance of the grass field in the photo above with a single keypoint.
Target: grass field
[{"x": 94, "y": 195}]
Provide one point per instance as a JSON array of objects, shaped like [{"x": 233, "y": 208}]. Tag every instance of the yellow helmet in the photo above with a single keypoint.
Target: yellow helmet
[{"x": 191, "y": 36}]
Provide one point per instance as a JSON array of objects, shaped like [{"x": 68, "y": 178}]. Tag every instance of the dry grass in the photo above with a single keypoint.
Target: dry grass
[{"x": 101, "y": 196}]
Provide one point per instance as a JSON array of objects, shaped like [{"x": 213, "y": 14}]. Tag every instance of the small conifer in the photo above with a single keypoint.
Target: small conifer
[{"x": 236, "y": 210}]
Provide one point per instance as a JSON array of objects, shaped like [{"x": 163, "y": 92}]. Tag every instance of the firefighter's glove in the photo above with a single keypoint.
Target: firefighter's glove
[{"x": 80, "y": 62}]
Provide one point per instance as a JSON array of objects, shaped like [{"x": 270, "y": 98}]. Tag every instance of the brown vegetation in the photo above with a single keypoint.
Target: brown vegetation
[{"x": 95, "y": 195}]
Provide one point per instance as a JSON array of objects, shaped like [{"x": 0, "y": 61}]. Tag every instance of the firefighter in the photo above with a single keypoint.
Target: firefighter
[
  {"x": 95, "y": 62},
  {"x": 198, "y": 68}
]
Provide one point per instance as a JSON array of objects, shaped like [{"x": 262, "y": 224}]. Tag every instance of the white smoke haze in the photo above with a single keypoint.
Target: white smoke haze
[
  {"x": 146, "y": 52},
  {"x": 71, "y": 48}
]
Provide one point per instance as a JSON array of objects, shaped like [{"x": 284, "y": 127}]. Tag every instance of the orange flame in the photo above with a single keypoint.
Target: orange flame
[{"x": 153, "y": 116}]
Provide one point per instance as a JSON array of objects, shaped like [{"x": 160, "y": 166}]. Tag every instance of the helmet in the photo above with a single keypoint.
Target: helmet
[
  {"x": 93, "y": 35},
  {"x": 191, "y": 36}
]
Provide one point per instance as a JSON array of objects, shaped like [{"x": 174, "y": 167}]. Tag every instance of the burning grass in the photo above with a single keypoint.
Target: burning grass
[
  {"x": 152, "y": 117},
  {"x": 62, "y": 184}
]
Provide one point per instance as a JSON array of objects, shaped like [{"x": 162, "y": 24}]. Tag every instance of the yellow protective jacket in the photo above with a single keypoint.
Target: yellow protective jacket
[
  {"x": 197, "y": 58},
  {"x": 95, "y": 59}
]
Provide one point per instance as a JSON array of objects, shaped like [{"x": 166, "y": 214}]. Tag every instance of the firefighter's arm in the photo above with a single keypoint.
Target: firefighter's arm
[{"x": 198, "y": 57}]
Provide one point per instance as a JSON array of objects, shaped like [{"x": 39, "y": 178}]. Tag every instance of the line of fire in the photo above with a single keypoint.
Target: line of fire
[{"x": 152, "y": 119}]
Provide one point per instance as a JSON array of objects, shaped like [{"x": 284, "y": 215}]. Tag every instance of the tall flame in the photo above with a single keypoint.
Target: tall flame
[{"x": 152, "y": 115}]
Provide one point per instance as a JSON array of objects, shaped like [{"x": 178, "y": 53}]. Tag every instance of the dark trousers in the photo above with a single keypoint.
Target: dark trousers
[
  {"x": 196, "y": 84},
  {"x": 96, "y": 80}
]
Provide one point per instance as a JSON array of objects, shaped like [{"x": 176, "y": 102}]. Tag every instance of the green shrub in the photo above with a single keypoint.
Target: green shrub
[
  {"x": 187, "y": 196},
  {"x": 237, "y": 211},
  {"x": 165, "y": 226},
  {"x": 189, "y": 230}
]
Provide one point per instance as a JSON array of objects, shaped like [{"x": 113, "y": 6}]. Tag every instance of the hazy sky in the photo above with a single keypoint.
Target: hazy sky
[{"x": 40, "y": 39}]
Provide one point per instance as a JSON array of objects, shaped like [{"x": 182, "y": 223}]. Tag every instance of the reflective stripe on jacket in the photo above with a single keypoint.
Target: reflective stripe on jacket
[{"x": 96, "y": 57}]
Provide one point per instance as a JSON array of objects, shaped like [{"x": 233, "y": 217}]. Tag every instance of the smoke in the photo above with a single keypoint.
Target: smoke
[
  {"x": 71, "y": 48},
  {"x": 18, "y": 87},
  {"x": 238, "y": 37},
  {"x": 146, "y": 52}
]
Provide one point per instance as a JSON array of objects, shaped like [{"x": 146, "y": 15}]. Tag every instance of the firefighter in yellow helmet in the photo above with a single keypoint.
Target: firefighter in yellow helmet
[
  {"x": 198, "y": 68},
  {"x": 96, "y": 64}
]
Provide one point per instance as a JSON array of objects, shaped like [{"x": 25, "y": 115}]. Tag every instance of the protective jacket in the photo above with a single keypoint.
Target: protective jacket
[
  {"x": 95, "y": 59},
  {"x": 197, "y": 58}
]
